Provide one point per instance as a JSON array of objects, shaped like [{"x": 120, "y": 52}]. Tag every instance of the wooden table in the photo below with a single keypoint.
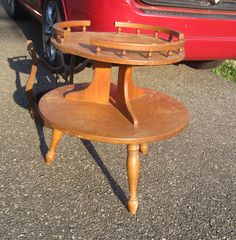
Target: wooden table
[{"x": 119, "y": 113}]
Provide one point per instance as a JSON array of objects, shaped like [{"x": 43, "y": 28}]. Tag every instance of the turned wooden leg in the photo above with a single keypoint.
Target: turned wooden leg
[
  {"x": 133, "y": 173},
  {"x": 56, "y": 136},
  {"x": 144, "y": 148}
]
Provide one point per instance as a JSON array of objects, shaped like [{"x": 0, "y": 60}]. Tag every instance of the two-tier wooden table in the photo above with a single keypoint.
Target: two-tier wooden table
[{"x": 119, "y": 113}]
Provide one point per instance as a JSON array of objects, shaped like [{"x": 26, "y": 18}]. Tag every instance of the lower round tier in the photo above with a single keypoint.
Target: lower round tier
[{"x": 159, "y": 117}]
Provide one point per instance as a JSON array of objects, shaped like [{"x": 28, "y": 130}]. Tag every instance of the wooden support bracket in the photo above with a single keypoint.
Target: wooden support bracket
[
  {"x": 127, "y": 91},
  {"x": 98, "y": 90}
]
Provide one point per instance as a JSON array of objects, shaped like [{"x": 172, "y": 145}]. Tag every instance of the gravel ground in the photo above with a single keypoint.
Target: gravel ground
[{"x": 187, "y": 186}]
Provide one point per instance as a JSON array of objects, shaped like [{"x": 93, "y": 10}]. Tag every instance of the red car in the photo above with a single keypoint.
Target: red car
[{"x": 209, "y": 25}]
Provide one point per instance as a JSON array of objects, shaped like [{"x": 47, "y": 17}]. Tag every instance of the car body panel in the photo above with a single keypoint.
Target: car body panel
[{"x": 209, "y": 34}]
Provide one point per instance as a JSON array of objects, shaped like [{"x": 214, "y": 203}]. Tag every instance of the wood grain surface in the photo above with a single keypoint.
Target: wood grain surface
[{"x": 159, "y": 116}]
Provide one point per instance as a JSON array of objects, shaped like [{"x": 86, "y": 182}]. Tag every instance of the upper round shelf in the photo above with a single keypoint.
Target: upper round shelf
[{"x": 157, "y": 46}]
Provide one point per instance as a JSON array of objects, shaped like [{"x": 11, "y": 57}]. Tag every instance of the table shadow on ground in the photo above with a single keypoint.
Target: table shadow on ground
[
  {"x": 44, "y": 81},
  {"x": 22, "y": 65},
  {"x": 114, "y": 185}
]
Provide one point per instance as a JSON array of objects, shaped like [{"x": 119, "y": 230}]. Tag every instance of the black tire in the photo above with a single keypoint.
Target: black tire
[
  {"x": 53, "y": 57},
  {"x": 15, "y": 10},
  {"x": 52, "y": 13},
  {"x": 204, "y": 64}
]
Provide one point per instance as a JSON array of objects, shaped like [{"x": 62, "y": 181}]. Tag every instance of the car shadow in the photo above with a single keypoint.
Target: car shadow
[
  {"x": 30, "y": 27},
  {"x": 22, "y": 65}
]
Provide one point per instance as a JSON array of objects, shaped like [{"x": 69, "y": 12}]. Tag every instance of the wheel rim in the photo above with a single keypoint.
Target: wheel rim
[
  {"x": 49, "y": 20},
  {"x": 11, "y": 5}
]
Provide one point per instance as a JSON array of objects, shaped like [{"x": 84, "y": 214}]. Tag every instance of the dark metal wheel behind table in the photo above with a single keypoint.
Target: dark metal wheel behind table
[{"x": 52, "y": 13}]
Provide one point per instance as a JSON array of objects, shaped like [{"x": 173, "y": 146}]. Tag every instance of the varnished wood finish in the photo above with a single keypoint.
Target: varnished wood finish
[
  {"x": 133, "y": 174},
  {"x": 116, "y": 113},
  {"x": 159, "y": 117},
  {"x": 56, "y": 137},
  {"x": 99, "y": 89},
  {"x": 126, "y": 91},
  {"x": 62, "y": 29},
  {"x": 155, "y": 29},
  {"x": 121, "y": 48},
  {"x": 144, "y": 148}
]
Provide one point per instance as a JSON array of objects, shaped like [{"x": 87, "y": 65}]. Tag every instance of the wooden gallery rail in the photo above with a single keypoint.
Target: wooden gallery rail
[{"x": 119, "y": 113}]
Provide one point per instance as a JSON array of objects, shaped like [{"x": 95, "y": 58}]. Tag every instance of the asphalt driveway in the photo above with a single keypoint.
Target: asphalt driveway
[{"x": 187, "y": 186}]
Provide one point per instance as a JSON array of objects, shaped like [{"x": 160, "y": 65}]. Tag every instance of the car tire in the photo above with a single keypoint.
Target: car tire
[
  {"x": 15, "y": 9},
  {"x": 204, "y": 64},
  {"x": 52, "y": 13}
]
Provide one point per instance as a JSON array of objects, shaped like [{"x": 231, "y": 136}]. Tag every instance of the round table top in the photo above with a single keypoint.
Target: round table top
[
  {"x": 80, "y": 44},
  {"x": 164, "y": 118}
]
